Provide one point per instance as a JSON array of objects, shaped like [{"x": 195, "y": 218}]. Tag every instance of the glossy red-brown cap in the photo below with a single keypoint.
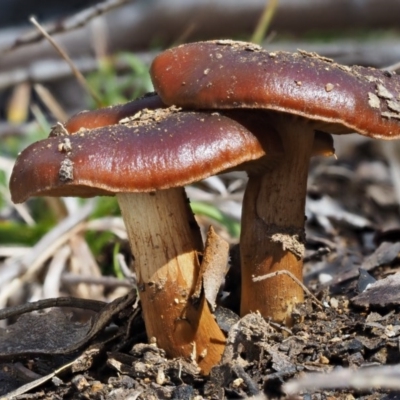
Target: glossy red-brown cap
[
  {"x": 107, "y": 116},
  {"x": 154, "y": 150},
  {"x": 226, "y": 74}
]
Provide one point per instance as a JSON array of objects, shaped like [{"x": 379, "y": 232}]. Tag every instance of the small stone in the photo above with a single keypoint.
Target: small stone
[
  {"x": 334, "y": 302},
  {"x": 389, "y": 331},
  {"x": 237, "y": 383},
  {"x": 65, "y": 146},
  {"x": 80, "y": 382},
  {"x": 329, "y": 87},
  {"x": 355, "y": 359},
  {"x": 323, "y": 360},
  {"x": 96, "y": 387},
  {"x": 324, "y": 278},
  {"x": 160, "y": 379},
  {"x": 58, "y": 130},
  {"x": 140, "y": 367},
  {"x": 203, "y": 354},
  {"x": 56, "y": 381}
]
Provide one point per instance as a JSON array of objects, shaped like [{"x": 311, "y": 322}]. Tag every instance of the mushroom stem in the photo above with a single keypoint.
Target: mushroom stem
[
  {"x": 165, "y": 241},
  {"x": 272, "y": 236}
]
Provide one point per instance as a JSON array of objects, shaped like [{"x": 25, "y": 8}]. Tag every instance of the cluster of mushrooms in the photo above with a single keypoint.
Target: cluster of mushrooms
[{"x": 219, "y": 106}]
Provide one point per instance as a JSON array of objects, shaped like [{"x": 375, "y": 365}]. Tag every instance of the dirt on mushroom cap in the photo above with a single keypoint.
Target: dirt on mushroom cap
[{"x": 106, "y": 115}]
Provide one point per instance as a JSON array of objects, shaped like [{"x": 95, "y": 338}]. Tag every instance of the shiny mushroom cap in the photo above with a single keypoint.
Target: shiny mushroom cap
[
  {"x": 107, "y": 116},
  {"x": 152, "y": 150},
  {"x": 226, "y": 74}
]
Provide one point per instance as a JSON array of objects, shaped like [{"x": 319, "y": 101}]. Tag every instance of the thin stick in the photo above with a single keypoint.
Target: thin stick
[
  {"x": 73, "y": 302},
  {"x": 288, "y": 273},
  {"x": 68, "y": 24},
  {"x": 81, "y": 79}
]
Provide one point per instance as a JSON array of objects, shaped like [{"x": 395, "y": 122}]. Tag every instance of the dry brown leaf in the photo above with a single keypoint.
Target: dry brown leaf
[
  {"x": 213, "y": 267},
  {"x": 383, "y": 293}
]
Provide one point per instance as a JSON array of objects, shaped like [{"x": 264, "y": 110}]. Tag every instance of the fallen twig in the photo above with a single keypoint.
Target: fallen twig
[
  {"x": 72, "y": 302},
  {"x": 76, "y": 21},
  {"x": 78, "y": 75}
]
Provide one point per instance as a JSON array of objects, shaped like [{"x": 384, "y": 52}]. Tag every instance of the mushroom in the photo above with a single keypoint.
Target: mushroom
[
  {"x": 145, "y": 160},
  {"x": 301, "y": 93}
]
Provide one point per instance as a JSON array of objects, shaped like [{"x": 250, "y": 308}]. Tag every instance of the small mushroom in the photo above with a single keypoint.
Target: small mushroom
[
  {"x": 300, "y": 93},
  {"x": 145, "y": 160}
]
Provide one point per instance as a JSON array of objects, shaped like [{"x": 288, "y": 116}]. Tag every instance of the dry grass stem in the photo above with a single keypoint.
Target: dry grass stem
[
  {"x": 50, "y": 102},
  {"x": 265, "y": 21},
  {"x": 114, "y": 225},
  {"x": 51, "y": 284},
  {"x": 126, "y": 271},
  {"x": 18, "y": 103},
  {"x": 393, "y": 67},
  {"x": 82, "y": 262}
]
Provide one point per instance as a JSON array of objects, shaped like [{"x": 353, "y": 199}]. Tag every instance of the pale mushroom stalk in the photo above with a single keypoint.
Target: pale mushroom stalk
[
  {"x": 272, "y": 235},
  {"x": 166, "y": 242}
]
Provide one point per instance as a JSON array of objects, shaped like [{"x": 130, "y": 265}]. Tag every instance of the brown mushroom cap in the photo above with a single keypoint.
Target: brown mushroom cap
[
  {"x": 227, "y": 74},
  {"x": 154, "y": 150},
  {"x": 109, "y": 115}
]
